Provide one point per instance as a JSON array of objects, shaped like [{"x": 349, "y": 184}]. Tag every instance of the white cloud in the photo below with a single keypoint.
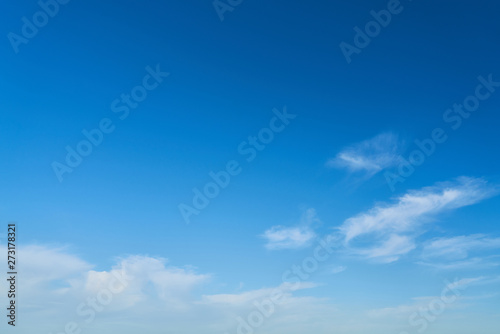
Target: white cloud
[
  {"x": 370, "y": 156},
  {"x": 62, "y": 264},
  {"x": 49, "y": 273},
  {"x": 150, "y": 278},
  {"x": 282, "y": 237},
  {"x": 159, "y": 298},
  {"x": 54, "y": 283},
  {"x": 392, "y": 229},
  {"x": 155, "y": 298}
]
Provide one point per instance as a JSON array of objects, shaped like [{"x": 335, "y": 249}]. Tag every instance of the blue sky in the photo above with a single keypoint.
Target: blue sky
[{"x": 325, "y": 177}]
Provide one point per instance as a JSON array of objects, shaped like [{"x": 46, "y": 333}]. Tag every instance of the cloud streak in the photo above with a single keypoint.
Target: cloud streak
[
  {"x": 459, "y": 247},
  {"x": 461, "y": 252},
  {"x": 282, "y": 237},
  {"x": 391, "y": 229},
  {"x": 369, "y": 156}
]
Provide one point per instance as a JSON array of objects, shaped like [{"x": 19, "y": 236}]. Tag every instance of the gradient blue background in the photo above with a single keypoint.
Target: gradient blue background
[{"x": 226, "y": 77}]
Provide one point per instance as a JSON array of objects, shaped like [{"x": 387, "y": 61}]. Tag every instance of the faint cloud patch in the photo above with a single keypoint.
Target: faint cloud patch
[
  {"x": 370, "y": 156},
  {"x": 293, "y": 237},
  {"x": 459, "y": 252},
  {"x": 339, "y": 269}
]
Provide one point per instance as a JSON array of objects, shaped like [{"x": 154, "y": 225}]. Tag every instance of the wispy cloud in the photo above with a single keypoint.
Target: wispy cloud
[
  {"x": 391, "y": 249},
  {"x": 472, "y": 263},
  {"x": 455, "y": 252},
  {"x": 390, "y": 230},
  {"x": 338, "y": 269},
  {"x": 370, "y": 156},
  {"x": 421, "y": 303},
  {"x": 283, "y": 237},
  {"x": 247, "y": 297},
  {"x": 459, "y": 247}
]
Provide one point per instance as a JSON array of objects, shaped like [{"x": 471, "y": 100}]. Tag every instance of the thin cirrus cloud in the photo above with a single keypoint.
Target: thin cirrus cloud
[
  {"x": 338, "y": 269},
  {"x": 459, "y": 247},
  {"x": 459, "y": 252},
  {"x": 292, "y": 237},
  {"x": 370, "y": 156},
  {"x": 391, "y": 230},
  {"x": 420, "y": 303}
]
